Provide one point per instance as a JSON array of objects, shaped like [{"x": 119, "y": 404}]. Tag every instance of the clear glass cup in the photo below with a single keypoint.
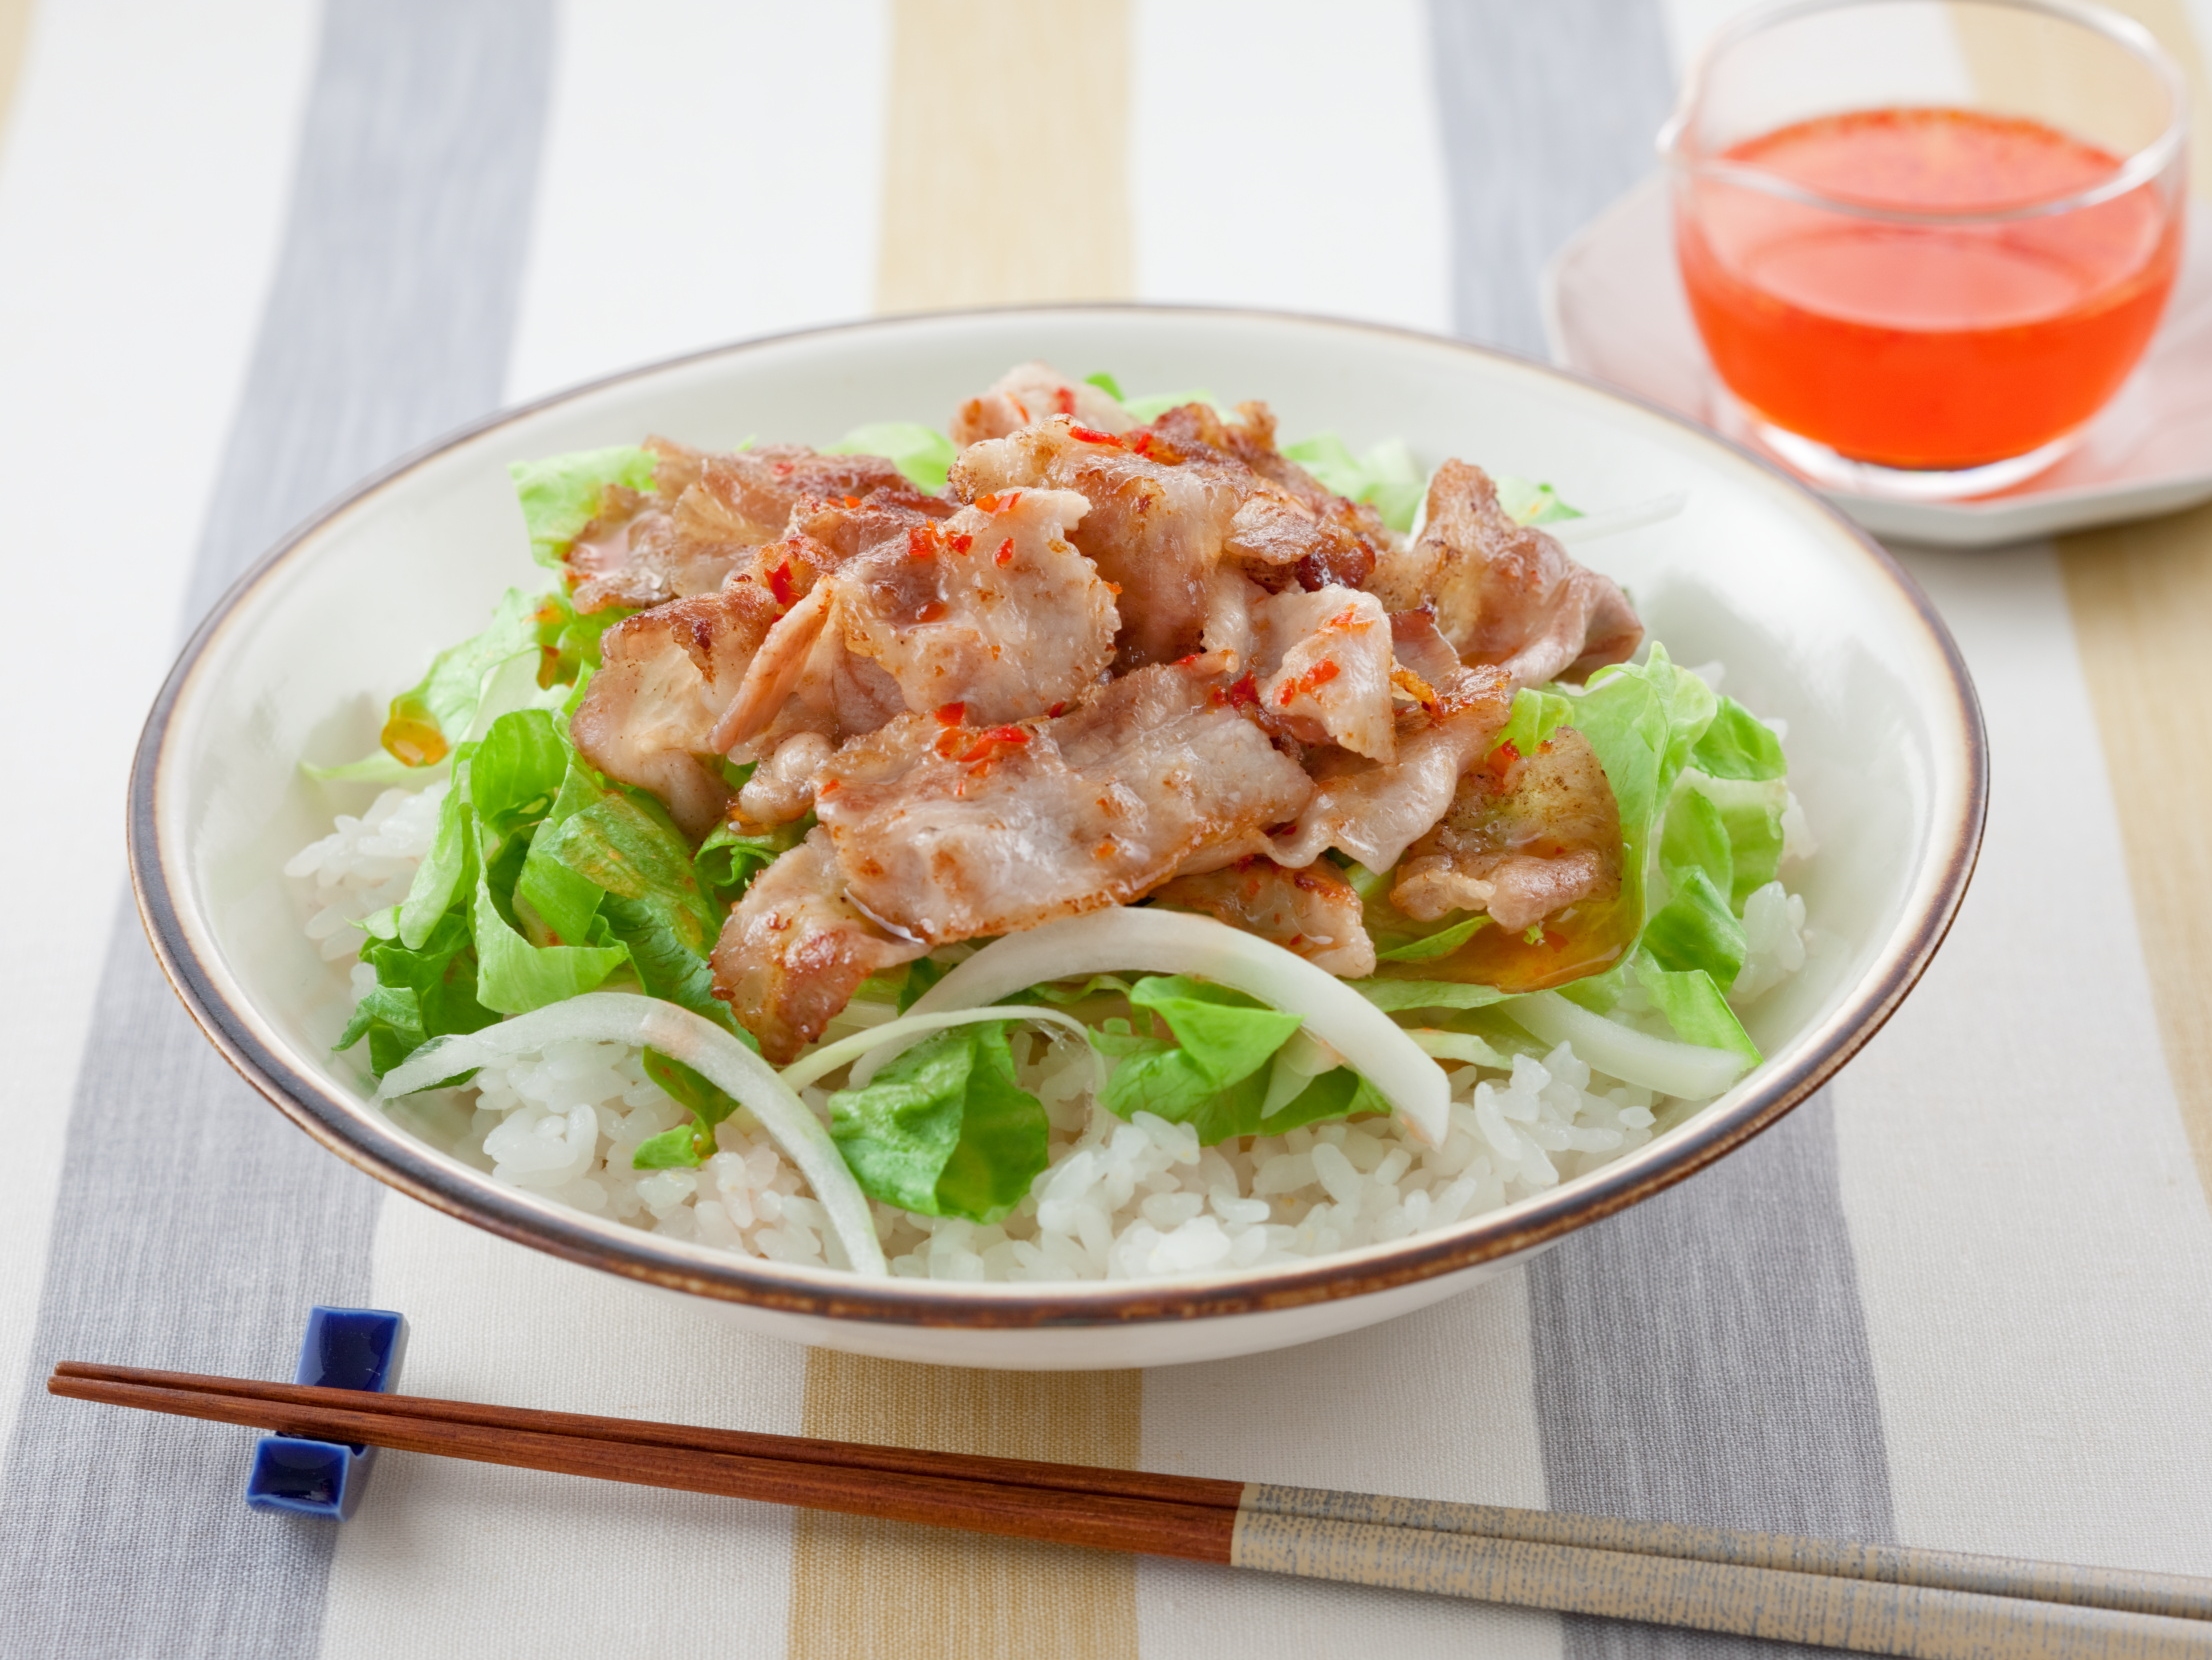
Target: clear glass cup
[{"x": 1926, "y": 240}]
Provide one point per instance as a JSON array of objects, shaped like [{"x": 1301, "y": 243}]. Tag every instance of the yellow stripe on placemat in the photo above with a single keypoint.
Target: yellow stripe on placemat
[
  {"x": 1005, "y": 180},
  {"x": 864, "y": 1587},
  {"x": 1006, "y": 175},
  {"x": 2141, "y": 596},
  {"x": 15, "y": 37}
]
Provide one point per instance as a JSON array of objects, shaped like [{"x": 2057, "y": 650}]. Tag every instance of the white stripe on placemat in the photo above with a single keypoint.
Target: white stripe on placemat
[
  {"x": 2033, "y": 1240},
  {"x": 194, "y": 1226},
  {"x": 711, "y": 171},
  {"x": 1343, "y": 209},
  {"x": 116, "y": 364}
]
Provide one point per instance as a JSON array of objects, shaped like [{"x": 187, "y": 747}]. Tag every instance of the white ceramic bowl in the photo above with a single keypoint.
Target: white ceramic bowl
[{"x": 1814, "y": 622}]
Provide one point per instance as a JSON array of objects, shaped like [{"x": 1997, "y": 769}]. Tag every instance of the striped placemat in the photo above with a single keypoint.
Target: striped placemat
[{"x": 250, "y": 249}]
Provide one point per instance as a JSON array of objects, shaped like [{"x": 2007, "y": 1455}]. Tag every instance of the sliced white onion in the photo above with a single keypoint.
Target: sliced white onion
[
  {"x": 1181, "y": 942},
  {"x": 1687, "y": 1070},
  {"x": 1297, "y": 1063},
  {"x": 894, "y": 1035},
  {"x": 625, "y": 1017}
]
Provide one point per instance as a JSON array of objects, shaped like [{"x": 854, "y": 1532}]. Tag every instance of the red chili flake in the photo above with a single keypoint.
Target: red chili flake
[
  {"x": 961, "y": 544},
  {"x": 1245, "y": 693},
  {"x": 781, "y": 585},
  {"x": 848, "y": 501},
  {"x": 1064, "y": 400},
  {"x": 1019, "y": 408},
  {"x": 1114, "y": 588},
  {"x": 979, "y": 748},
  {"x": 995, "y": 503},
  {"x": 921, "y": 542},
  {"x": 1091, "y": 435},
  {"x": 1056, "y": 711},
  {"x": 782, "y": 469},
  {"x": 934, "y": 611},
  {"x": 1139, "y": 443},
  {"x": 952, "y": 714},
  {"x": 1503, "y": 757},
  {"x": 1005, "y": 554},
  {"x": 1319, "y": 675},
  {"x": 824, "y": 788}
]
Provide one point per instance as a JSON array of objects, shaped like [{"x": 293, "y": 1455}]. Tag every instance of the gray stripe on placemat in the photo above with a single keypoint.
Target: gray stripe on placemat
[
  {"x": 193, "y": 1226},
  {"x": 1702, "y": 1357},
  {"x": 1548, "y": 113}
]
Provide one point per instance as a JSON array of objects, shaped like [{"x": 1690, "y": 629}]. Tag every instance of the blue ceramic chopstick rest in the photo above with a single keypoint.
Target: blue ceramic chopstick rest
[{"x": 345, "y": 1348}]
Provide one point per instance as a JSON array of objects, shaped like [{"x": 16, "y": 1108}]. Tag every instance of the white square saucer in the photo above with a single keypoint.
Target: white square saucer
[{"x": 1614, "y": 309}]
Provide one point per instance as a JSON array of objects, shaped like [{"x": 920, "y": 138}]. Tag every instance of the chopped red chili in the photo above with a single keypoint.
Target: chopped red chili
[
  {"x": 1091, "y": 435},
  {"x": 1005, "y": 554},
  {"x": 961, "y": 544},
  {"x": 934, "y": 611},
  {"x": 952, "y": 714}
]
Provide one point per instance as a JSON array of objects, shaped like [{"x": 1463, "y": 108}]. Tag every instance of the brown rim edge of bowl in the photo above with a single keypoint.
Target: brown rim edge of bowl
[{"x": 434, "y": 1179}]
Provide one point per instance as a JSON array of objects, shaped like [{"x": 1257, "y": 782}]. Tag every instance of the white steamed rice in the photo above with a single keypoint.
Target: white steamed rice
[{"x": 1119, "y": 1200}]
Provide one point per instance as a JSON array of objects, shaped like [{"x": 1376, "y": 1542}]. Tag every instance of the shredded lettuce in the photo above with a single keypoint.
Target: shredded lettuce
[
  {"x": 1106, "y": 384},
  {"x": 1535, "y": 716},
  {"x": 690, "y": 1144},
  {"x": 1216, "y": 1075},
  {"x": 562, "y": 494},
  {"x": 544, "y": 881},
  {"x": 1387, "y": 477},
  {"x": 923, "y": 454},
  {"x": 1149, "y": 409},
  {"x": 1532, "y": 503},
  {"x": 729, "y": 859},
  {"x": 944, "y": 1129}
]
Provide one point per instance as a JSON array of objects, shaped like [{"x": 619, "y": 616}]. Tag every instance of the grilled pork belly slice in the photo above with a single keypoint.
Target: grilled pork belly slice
[
  {"x": 666, "y": 676},
  {"x": 1521, "y": 841},
  {"x": 946, "y": 832},
  {"x": 1030, "y": 392},
  {"x": 706, "y": 512},
  {"x": 993, "y": 612},
  {"x": 1297, "y": 528},
  {"x": 1313, "y": 911},
  {"x": 1325, "y": 664},
  {"x": 1505, "y": 593},
  {"x": 794, "y": 950},
  {"x": 1373, "y": 810},
  {"x": 1154, "y": 529}
]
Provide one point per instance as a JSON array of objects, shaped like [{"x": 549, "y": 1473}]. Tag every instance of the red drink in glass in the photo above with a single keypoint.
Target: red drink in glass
[{"x": 1925, "y": 344}]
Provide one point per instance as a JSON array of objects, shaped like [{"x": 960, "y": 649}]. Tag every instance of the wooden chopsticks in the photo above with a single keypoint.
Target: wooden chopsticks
[{"x": 1875, "y": 1599}]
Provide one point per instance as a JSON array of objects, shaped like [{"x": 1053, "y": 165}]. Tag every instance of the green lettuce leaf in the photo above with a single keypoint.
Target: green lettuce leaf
[
  {"x": 515, "y": 976},
  {"x": 1448, "y": 938},
  {"x": 944, "y": 1129},
  {"x": 729, "y": 859},
  {"x": 1739, "y": 745},
  {"x": 1532, "y": 503},
  {"x": 1751, "y": 815},
  {"x": 1695, "y": 929},
  {"x": 687, "y": 1145},
  {"x": 1695, "y": 1007},
  {"x": 1696, "y": 837},
  {"x": 1106, "y": 384},
  {"x": 923, "y": 454},
  {"x": 1396, "y": 995},
  {"x": 424, "y": 991},
  {"x": 564, "y": 493},
  {"x": 1213, "y": 1076},
  {"x": 1535, "y": 716},
  {"x": 1386, "y": 477},
  {"x": 516, "y": 772}
]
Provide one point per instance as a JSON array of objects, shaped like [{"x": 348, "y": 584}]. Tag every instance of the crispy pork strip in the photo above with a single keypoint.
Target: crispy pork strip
[
  {"x": 793, "y": 950},
  {"x": 705, "y": 512},
  {"x": 946, "y": 832},
  {"x": 1313, "y": 911},
  {"x": 1505, "y": 593},
  {"x": 1029, "y": 392},
  {"x": 1521, "y": 842},
  {"x": 1374, "y": 809}
]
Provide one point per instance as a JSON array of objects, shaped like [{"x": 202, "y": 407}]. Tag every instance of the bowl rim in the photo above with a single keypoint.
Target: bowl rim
[{"x": 383, "y": 1149}]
